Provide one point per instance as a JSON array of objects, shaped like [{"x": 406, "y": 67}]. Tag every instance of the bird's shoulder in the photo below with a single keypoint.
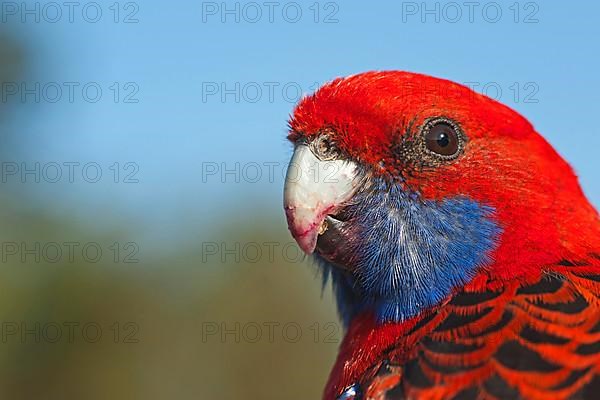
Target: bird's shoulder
[{"x": 535, "y": 340}]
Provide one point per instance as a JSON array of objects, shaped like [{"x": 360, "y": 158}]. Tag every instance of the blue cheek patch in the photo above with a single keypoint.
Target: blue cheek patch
[{"x": 408, "y": 254}]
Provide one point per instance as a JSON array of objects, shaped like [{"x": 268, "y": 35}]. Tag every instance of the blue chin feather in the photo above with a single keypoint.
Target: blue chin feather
[{"x": 404, "y": 254}]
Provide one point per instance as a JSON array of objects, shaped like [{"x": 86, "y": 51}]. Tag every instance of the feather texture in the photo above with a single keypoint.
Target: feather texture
[{"x": 539, "y": 340}]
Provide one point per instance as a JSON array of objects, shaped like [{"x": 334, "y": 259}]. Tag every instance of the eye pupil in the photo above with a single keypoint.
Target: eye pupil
[{"x": 442, "y": 138}]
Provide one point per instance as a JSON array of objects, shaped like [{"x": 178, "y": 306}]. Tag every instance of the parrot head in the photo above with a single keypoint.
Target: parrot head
[{"x": 406, "y": 187}]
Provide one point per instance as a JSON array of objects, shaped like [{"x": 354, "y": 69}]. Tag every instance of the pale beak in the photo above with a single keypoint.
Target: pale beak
[{"x": 313, "y": 189}]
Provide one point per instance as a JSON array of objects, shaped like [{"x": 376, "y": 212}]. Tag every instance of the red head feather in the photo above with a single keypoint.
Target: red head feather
[{"x": 506, "y": 164}]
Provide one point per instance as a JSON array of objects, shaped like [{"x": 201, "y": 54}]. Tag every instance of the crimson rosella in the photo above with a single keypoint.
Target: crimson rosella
[{"x": 464, "y": 256}]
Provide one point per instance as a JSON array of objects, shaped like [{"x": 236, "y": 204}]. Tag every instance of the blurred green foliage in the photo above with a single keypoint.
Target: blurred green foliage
[{"x": 200, "y": 326}]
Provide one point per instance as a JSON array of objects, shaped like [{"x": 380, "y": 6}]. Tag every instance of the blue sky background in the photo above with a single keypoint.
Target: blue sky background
[{"x": 175, "y": 51}]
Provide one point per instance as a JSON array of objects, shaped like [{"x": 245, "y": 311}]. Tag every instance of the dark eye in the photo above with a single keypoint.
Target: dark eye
[{"x": 443, "y": 138}]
